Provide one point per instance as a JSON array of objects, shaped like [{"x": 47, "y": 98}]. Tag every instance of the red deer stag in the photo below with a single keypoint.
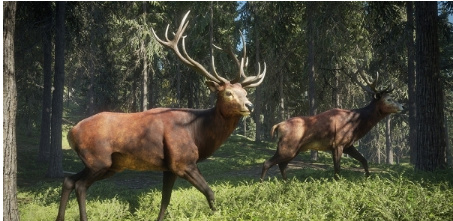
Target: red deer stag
[
  {"x": 160, "y": 139},
  {"x": 334, "y": 130}
]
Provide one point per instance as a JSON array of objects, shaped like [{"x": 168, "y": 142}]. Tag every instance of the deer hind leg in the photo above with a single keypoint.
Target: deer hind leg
[
  {"x": 282, "y": 157},
  {"x": 168, "y": 182},
  {"x": 283, "y": 166},
  {"x": 336, "y": 155},
  {"x": 99, "y": 171},
  {"x": 354, "y": 153},
  {"x": 68, "y": 186}
]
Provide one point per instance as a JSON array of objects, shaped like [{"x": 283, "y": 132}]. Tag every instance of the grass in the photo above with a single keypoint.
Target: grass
[{"x": 392, "y": 192}]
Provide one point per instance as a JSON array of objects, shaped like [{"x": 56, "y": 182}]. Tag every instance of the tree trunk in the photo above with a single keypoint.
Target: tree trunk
[
  {"x": 335, "y": 94},
  {"x": 244, "y": 122},
  {"x": 44, "y": 141},
  {"x": 258, "y": 94},
  {"x": 212, "y": 97},
  {"x": 55, "y": 168},
  {"x": 282, "y": 96},
  {"x": 10, "y": 211},
  {"x": 411, "y": 81},
  {"x": 145, "y": 65},
  {"x": 388, "y": 141},
  {"x": 151, "y": 86},
  {"x": 311, "y": 66},
  {"x": 431, "y": 140}
]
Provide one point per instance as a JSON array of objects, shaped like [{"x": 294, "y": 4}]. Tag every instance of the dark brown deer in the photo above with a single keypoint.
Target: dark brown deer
[
  {"x": 334, "y": 130},
  {"x": 160, "y": 139}
]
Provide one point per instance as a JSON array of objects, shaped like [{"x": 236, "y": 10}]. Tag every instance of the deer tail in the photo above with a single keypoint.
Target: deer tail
[
  {"x": 71, "y": 140},
  {"x": 275, "y": 127}
]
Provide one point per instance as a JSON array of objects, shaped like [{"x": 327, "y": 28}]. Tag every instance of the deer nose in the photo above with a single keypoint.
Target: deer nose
[{"x": 249, "y": 106}]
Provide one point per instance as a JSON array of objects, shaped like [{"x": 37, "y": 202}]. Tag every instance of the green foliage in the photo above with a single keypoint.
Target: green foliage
[
  {"x": 108, "y": 44},
  {"x": 311, "y": 193}
]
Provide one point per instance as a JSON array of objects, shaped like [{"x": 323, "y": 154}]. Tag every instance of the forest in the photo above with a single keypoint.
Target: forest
[{"x": 77, "y": 59}]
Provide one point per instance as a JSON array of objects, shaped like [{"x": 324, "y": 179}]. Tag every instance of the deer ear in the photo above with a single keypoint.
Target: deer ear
[{"x": 213, "y": 86}]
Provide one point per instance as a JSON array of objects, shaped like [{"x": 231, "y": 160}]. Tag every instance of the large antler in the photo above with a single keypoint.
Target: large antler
[
  {"x": 245, "y": 81},
  {"x": 186, "y": 59},
  {"x": 372, "y": 85}
]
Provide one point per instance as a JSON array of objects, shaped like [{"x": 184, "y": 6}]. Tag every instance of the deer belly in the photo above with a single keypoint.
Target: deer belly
[
  {"x": 122, "y": 162},
  {"x": 316, "y": 145}
]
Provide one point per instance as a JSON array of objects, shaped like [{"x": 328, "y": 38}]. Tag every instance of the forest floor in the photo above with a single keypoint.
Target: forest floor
[{"x": 233, "y": 172}]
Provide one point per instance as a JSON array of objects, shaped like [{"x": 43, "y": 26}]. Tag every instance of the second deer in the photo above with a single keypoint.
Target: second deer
[{"x": 334, "y": 130}]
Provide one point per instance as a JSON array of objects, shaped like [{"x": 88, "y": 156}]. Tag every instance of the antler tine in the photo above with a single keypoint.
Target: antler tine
[
  {"x": 388, "y": 89},
  {"x": 371, "y": 86},
  {"x": 244, "y": 80},
  {"x": 186, "y": 59},
  {"x": 215, "y": 72},
  {"x": 231, "y": 53},
  {"x": 255, "y": 81},
  {"x": 197, "y": 66}
]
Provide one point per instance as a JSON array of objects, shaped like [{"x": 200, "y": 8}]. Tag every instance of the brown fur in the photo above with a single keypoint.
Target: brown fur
[
  {"x": 334, "y": 130},
  {"x": 160, "y": 139}
]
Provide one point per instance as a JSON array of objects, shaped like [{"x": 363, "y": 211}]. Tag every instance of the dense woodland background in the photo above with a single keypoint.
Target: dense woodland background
[
  {"x": 106, "y": 59},
  {"x": 70, "y": 60}
]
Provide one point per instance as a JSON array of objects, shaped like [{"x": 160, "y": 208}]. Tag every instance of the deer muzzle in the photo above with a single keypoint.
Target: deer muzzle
[{"x": 249, "y": 106}]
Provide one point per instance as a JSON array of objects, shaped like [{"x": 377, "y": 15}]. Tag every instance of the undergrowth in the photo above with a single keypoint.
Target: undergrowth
[{"x": 393, "y": 192}]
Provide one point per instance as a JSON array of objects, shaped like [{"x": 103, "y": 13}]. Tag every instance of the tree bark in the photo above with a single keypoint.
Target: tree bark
[
  {"x": 431, "y": 140},
  {"x": 145, "y": 64},
  {"x": 10, "y": 210},
  {"x": 411, "y": 81},
  {"x": 311, "y": 66},
  {"x": 388, "y": 141},
  {"x": 258, "y": 94},
  {"x": 55, "y": 168},
  {"x": 44, "y": 141}
]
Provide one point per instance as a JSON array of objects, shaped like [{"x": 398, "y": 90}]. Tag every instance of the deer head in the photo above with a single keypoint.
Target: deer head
[
  {"x": 231, "y": 96},
  {"x": 386, "y": 102}
]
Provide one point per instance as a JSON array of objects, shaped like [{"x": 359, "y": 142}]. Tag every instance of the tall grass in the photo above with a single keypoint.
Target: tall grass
[{"x": 391, "y": 193}]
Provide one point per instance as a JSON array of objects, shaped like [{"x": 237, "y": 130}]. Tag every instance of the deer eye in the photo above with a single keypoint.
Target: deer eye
[{"x": 228, "y": 93}]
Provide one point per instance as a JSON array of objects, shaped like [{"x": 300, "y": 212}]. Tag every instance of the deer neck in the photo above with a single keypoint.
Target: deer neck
[
  {"x": 215, "y": 130},
  {"x": 369, "y": 116}
]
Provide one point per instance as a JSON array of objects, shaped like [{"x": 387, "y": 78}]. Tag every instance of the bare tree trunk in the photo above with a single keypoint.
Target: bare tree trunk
[
  {"x": 10, "y": 211},
  {"x": 282, "y": 96},
  {"x": 244, "y": 121},
  {"x": 257, "y": 111},
  {"x": 411, "y": 81},
  {"x": 431, "y": 140},
  {"x": 145, "y": 65},
  {"x": 91, "y": 93},
  {"x": 378, "y": 154},
  {"x": 388, "y": 141},
  {"x": 55, "y": 168},
  {"x": 335, "y": 94},
  {"x": 151, "y": 86},
  {"x": 211, "y": 49},
  {"x": 44, "y": 141},
  {"x": 311, "y": 65}
]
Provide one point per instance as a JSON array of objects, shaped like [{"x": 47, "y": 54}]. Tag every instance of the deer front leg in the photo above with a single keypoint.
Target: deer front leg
[
  {"x": 194, "y": 176},
  {"x": 354, "y": 153},
  {"x": 336, "y": 155},
  {"x": 168, "y": 183}
]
